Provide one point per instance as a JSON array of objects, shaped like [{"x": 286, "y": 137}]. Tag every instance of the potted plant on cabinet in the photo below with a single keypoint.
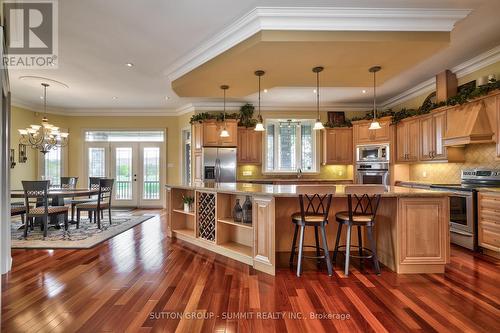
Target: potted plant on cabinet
[{"x": 188, "y": 203}]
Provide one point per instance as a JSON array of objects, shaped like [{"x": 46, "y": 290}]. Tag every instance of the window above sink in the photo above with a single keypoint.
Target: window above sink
[{"x": 290, "y": 145}]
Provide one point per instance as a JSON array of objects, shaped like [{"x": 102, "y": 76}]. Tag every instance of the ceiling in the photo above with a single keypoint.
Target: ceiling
[
  {"x": 97, "y": 39},
  {"x": 288, "y": 60}
]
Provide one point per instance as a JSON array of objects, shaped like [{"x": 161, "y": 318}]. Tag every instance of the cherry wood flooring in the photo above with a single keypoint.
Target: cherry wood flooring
[{"x": 142, "y": 281}]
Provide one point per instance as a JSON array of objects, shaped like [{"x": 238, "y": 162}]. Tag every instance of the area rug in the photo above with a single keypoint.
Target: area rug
[{"x": 87, "y": 236}]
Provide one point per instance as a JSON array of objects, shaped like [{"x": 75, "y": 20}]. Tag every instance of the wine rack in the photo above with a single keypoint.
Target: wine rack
[{"x": 206, "y": 216}]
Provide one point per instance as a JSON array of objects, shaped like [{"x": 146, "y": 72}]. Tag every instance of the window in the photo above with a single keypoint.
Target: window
[
  {"x": 290, "y": 145},
  {"x": 124, "y": 136},
  {"x": 96, "y": 159},
  {"x": 151, "y": 169},
  {"x": 52, "y": 166}
]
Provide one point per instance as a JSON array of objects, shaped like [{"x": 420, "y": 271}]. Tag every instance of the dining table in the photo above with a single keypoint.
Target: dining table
[{"x": 56, "y": 197}]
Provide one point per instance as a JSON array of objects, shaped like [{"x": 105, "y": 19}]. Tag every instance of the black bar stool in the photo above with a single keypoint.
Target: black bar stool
[
  {"x": 362, "y": 201},
  {"x": 315, "y": 204}
]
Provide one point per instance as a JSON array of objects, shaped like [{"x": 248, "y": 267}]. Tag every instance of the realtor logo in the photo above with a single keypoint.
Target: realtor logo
[{"x": 31, "y": 33}]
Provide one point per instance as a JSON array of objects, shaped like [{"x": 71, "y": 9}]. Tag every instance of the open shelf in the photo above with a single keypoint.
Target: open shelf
[
  {"x": 230, "y": 220},
  {"x": 238, "y": 248},
  {"x": 186, "y": 232},
  {"x": 181, "y": 211}
]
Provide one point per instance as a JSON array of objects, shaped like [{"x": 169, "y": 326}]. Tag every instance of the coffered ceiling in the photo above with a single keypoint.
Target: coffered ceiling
[{"x": 164, "y": 40}]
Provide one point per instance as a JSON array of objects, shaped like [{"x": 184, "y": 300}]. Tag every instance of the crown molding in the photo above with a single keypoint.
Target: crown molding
[
  {"x": 235, "y": 106},
  {"x": 316, "y": 19},
  {"x": 484, "y": 59}
]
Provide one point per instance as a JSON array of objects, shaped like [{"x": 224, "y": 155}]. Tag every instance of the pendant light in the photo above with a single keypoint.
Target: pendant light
[
  {"x": 259, "y": 127},
  {"x": 318, "y": 125},
  {"x": 224, "y": 133},
  {"x": 375, "y": 125}
]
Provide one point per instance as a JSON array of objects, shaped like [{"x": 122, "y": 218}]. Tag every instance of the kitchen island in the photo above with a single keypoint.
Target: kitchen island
[{"x": 412, "y": 231}]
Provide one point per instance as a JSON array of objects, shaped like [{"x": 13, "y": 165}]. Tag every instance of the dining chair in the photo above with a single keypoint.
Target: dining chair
[
  {"x": 37, "y": 205},
  {"x": 102, "y": 203},
  {"x": 315, "y": 202},
  {"x": 18, "y": 208},
  {"x": 362, "y": 203},
  {"x": 93, "y": 185},
  {"x": 69, "y": 182}
]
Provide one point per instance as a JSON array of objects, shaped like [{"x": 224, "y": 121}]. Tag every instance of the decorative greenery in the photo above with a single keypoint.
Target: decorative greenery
[
  {"x": 345, "y": 123},
  {"x": 187, "y": 200},
  {"x": 218, "y": 116},
  {"x": 246, "y": 116},
  {"x": 464, "y": 96}
]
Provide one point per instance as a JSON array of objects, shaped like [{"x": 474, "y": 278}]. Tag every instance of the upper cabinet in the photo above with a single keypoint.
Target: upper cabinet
[
  {"x": 337, "y": 146},
  {"x": 249, "y": 146},
  {"x": 362, "y": 133},
  {"x": 432, "y": 130},
  {"x": 407, "y": 143},
  {"x": 197, "y": 137},
  {"x": 209, "y": 132}
]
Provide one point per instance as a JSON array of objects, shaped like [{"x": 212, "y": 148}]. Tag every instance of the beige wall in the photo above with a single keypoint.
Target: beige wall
[
  {"x": 76, "y": 125},
  {"x": 21, "y": 118}
]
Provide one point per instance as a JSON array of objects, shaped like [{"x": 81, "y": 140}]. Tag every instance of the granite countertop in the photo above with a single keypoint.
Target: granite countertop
[
  {"x": 489, "y": 189},
  {"x": 291, "y": 190}
]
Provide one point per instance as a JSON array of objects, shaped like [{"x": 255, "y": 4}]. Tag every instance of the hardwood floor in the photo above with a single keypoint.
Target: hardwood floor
[{"x": 142, "y": 281}]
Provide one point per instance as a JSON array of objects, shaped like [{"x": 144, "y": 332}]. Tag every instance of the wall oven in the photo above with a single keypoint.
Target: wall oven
[
  {"x": 372, "y": 153},
  {"x": 372, "y": 173}
]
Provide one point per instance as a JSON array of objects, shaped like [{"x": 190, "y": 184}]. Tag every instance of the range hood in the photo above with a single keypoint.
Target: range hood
[{"x": 468, "y": 124}]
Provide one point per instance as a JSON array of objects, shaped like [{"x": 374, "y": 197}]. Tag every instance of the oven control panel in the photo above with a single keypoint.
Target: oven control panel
[{"x": 486, "y": 174}]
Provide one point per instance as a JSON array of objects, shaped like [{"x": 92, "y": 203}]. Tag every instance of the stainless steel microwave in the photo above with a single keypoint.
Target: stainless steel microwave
[{"x": 372, "y": 153}]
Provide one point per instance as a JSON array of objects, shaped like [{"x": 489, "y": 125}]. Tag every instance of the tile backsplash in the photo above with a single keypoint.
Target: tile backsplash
[
  {"x": 476, "y": 155},
  {"x": 337, "y": 172}
]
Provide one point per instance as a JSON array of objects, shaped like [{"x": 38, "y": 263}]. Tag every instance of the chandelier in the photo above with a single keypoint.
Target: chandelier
[{"x": 46, "y": 136}]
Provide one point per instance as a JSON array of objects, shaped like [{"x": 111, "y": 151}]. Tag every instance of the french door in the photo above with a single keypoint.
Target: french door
[{"x": 135, "y": 167}]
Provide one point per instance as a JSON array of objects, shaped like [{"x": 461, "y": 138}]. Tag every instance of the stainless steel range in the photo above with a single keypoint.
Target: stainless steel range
[{"x": 463, "y": 204}]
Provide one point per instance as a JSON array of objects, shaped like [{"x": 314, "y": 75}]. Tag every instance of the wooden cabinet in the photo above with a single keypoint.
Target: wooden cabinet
[
  {"x": 432, "y": 131},
  {"x": 337, "y": 146},
  {"x": 211, "y": 133},
  {"x": 197, "y": 166},
  {"x": 407, "y": 141},
  {"x": 249, "y": 146},
  {"x": 362, "y": 133},
  {"x": 489, "y": 221},
  {"x": 207, "y": 134},
  {"x": 423, "y": 234},
  {"x": 197, "y": 137}
]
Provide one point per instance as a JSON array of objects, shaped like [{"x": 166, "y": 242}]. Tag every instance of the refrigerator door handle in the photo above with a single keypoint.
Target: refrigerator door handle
[{"x": 217, "y": 170}]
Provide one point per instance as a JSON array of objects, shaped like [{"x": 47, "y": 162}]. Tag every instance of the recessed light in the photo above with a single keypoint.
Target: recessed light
[
  {"x": 363, "y": 91},
  {"x": 129, "y": 64},
  {"x": 265, "y": 91},
  {"x": 167, "y": 98},
  {"x": 41, "y": 97},
  {"x": 315, "y": 91},
  {"x": 114, "y": 97}
]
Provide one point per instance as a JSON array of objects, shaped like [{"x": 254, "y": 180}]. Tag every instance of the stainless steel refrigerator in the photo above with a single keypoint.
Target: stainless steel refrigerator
[{"x": 219, "y": 165}]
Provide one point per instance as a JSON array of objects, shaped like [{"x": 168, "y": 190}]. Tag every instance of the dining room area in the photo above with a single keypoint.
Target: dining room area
[{"x": 75, "y": 191}]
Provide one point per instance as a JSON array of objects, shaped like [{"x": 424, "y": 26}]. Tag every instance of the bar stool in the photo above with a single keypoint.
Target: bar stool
[
  {"x": 362, "y": 201},
  {"x": 315, "y": 204}
]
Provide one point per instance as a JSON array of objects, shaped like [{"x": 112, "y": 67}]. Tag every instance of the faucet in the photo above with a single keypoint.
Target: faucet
[{"x": 299, "y": 173}]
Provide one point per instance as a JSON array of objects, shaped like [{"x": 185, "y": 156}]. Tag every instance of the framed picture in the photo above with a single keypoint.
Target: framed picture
[{"x": 336, "y": 117}]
